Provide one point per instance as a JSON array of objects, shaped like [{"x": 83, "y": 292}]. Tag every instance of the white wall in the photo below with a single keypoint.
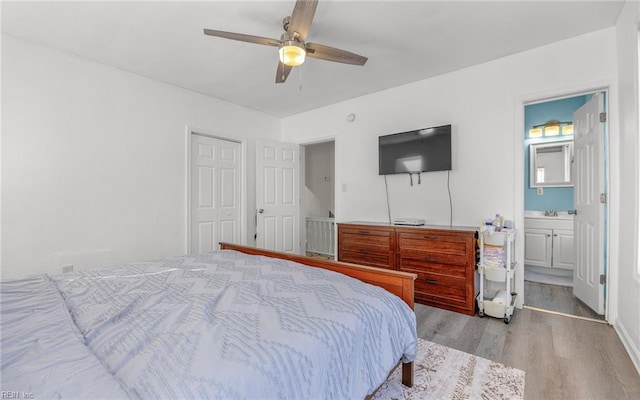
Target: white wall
[
  {"x": 480, "y": 104},
  {"x": 94, "y": 160},
  {"x": 485, "y": 105},
  {"x": 625, "y": 248},
  {"x": 319, "y": 177}
]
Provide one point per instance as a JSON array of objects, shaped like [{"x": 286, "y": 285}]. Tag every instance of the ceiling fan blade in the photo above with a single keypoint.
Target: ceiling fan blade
[
  {"x": 327, "y": 53},
  {"x": 243, "y": 38},
  {"x": 302, "y": 17},
  {"x": 282, "y": 72}
]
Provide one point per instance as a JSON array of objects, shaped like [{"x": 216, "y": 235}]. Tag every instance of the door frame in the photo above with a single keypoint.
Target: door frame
[
  {"x": 189, "y": 132},
  {"x": 610, "y": 151},
  {"x": 336, "y": 177}
]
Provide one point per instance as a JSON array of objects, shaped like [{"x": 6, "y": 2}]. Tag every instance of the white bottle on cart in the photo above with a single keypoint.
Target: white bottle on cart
[{"x": 497, "y": 223}]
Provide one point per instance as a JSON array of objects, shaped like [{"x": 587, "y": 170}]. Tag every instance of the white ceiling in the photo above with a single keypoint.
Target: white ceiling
[{"x": 405, "y": 41}]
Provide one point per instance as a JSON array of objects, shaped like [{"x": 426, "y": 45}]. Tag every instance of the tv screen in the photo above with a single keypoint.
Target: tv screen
[{"x": 422, "y": 150}]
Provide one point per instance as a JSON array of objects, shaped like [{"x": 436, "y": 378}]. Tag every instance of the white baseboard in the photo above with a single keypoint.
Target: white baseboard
[{"x": 628, "y": 344}]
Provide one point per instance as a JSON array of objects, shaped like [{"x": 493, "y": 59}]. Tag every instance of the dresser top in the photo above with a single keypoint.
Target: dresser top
[{"x": 439, "y": 227}]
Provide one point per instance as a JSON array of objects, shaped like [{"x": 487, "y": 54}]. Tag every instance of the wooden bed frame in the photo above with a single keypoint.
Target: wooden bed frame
[{"x": 396, "y": 282}]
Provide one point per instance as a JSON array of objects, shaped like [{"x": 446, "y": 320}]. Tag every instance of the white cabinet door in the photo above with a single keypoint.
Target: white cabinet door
[
  {"x": 563, "y": 255},
  {"x": 537, "y": 247}
]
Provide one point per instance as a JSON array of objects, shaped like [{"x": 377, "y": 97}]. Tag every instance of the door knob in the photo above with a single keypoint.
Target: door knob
[{"x": 261, "y": 210}]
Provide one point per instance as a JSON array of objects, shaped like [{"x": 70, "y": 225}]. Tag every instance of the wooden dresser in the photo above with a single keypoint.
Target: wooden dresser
[{"x": 444, "y": 258}]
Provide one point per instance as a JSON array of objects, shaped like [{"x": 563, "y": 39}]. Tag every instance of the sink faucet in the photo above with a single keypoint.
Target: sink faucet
[{"x": 551, "y": 213}]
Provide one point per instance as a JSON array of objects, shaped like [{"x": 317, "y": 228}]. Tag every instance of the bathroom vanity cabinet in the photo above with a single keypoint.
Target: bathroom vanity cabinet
[{"x": 548, "y": 242}]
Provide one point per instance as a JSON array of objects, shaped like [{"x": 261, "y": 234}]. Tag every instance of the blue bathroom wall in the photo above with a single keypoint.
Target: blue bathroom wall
[{"x": 554, "y": 198}]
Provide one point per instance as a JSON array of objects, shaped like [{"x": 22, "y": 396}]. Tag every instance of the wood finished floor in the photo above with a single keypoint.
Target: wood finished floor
[
  {"x": 563, "y": 358},
  {"x": 556, "y": 298}
]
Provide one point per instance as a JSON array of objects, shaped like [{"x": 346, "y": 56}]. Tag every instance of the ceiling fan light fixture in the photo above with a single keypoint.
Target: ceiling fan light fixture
[
  {"x": 292, "y": 53},
  {"x": 292, "y": 49}
]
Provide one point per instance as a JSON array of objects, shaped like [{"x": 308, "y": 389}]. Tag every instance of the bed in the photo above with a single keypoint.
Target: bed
[{"x": 239, "y": 323}]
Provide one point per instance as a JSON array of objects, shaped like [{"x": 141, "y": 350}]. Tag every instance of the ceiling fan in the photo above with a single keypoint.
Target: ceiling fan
[{"x": 292, "y": 45}]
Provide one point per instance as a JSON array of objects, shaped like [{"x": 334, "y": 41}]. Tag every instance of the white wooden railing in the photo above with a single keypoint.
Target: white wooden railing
[{"x": 320, "y": 235}]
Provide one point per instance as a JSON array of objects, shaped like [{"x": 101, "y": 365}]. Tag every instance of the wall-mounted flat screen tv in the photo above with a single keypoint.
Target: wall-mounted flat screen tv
[{"x": 422, "y": 150}]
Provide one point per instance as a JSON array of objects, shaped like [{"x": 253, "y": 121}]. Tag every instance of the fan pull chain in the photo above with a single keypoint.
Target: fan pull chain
[{"x": 300, "y": 87}]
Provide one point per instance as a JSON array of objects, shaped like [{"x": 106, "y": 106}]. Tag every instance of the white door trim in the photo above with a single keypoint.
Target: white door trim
[
  {"x": 243, "y": 182},
  {"x": 612, "y": 180},
  {"x": 336, "y": 179}
]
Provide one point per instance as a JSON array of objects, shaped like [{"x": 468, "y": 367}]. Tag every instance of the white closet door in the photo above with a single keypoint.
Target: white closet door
[{"x": 215, "y": 193}]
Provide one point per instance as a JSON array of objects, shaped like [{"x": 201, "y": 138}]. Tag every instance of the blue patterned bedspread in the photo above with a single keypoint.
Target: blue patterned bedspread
[{"x": 223, "y": 325}]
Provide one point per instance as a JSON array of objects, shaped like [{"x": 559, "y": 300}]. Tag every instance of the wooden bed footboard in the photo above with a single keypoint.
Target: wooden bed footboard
[{"x": 396, "y": 282}]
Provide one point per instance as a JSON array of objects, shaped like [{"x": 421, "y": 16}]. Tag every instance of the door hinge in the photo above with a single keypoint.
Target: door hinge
[
  {"x": 603, "y": 279},
  {"x": 603, "y": 198},
  {"x": 603, "y": 117}
]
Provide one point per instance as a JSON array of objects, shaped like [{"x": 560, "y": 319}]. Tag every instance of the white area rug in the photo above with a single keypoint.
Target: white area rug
[{"x": 445, "y": 373}]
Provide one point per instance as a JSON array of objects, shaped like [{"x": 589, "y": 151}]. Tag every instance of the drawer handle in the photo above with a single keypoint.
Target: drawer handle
[
  {"x": 364, "y": 251},
  {"x": 364, "y": 232},
  {"x": 430, "y": 259},
  {"x": 431, "y": 237},
  {"x": 431, "y": 281}
]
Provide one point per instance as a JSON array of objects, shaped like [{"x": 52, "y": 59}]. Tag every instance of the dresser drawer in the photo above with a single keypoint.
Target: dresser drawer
[
  {"x": 381, "y": 260},
  {"x": 435, "y": 252},
  {"x": 442, "y": 299},
  {"x": 430, "y": 263},
  {"x": 365, "y": 231},
  {"x": 434, "y": 243},
  {"x": 441, "y": 288},
  {"x": 374, "y": 240},
  {"x": 373, "y": 246}
]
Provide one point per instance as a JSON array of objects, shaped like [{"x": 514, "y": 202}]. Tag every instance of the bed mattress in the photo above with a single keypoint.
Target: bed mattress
[{"x": 221, "y": 325}]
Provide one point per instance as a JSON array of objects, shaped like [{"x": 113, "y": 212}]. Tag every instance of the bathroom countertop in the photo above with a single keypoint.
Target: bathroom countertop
[{"x": 540, "y": 214}]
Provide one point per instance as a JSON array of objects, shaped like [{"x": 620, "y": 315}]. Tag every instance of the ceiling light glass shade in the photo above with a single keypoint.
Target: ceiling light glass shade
[
  {"x": 291, "y": 53},
  {"x": 552, "y": 130},
  {"x": 535, "y": 132},
  {"x": 567, "y": 130}
]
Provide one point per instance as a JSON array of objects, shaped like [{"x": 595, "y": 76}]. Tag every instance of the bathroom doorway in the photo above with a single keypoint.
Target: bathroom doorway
[{"x": 555, "y": 180}]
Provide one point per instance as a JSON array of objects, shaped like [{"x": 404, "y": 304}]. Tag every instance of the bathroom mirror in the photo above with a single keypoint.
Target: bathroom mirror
[{"x": 550, "y": 163}]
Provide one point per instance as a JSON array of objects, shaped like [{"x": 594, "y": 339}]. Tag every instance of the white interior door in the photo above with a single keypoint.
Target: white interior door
[
  {"x": 215, "y": 193},
  {"x": 278, "y": 196},
  {"x": 589, "y": 185}
]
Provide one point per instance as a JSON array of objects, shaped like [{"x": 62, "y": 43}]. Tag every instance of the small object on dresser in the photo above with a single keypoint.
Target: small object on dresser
[{"x": 409, "y": 221}]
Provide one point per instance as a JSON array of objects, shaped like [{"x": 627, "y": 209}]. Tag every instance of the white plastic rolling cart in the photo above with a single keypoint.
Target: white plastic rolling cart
[{"x": 497, "y": 265}]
